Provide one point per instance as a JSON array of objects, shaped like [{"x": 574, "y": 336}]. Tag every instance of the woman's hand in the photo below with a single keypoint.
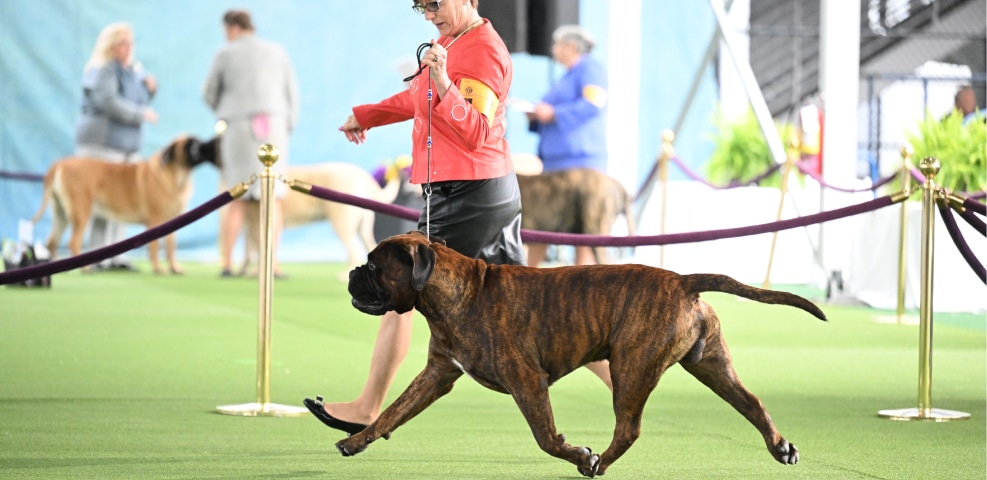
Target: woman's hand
[
  {"x": 543, "y": 112},
  {"x": 436, "y": 57},
  {"x": 149, "y": 115},
  {"x": 353, "y": 131},
  {"x": 151, "y": 83}
]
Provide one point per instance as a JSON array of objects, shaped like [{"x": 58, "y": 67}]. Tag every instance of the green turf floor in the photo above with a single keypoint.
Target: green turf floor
[{"x": 117, "y": 375}]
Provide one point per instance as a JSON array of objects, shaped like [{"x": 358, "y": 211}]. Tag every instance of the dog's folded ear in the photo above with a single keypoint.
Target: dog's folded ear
[
  {"x": 169, "y": 154},
  {"x": 424, "y": 259}
]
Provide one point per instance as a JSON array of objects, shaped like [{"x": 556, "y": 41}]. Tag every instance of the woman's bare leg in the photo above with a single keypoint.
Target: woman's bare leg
[{"x": 391, "y": 347}]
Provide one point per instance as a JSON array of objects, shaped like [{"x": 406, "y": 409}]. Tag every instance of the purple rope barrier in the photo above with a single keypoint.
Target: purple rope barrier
[
  {"x": 31, "y": 177},
  {"x": 974, "y": 221},
  {"x": 917, "y": 175},
  {"x": 93, "y": 256},
  {"x": 735, "y": 184},
  {"x": 674, "y": 238},
  {"x": 954, "y": 232},
  {"x": 385, "y": 208},
  {"x": 880, "y": 183},
  {"x": 975, "y": 206},
  {"x": 607, "y": 241}
]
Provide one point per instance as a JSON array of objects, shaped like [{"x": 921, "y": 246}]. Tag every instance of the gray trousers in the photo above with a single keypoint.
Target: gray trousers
[{"x": 102, "y": 231}]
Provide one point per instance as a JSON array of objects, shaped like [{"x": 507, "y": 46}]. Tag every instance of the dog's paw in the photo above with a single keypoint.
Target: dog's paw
[
  {"x": 354, "y": 444},
  {"x": 591, "y": 463},
  {"x": 785, "y": 452}
]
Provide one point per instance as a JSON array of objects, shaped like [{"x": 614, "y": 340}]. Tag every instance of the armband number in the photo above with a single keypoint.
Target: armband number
[{"x": 480, "y": 97}]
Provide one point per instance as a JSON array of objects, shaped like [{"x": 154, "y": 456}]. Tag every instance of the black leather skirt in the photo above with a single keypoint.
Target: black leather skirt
[{"x": 478, "y": 218}]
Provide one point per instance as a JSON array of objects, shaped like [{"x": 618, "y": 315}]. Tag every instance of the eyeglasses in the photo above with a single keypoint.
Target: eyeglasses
[{"x": 433, "y": 7}]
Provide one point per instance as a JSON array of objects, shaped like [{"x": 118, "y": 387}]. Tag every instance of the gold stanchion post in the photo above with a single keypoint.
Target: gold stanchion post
[
  {"x": 929, "y": 167},
  {"x": 905, "y": 176},
  {"x": 268, "y": 155},
  {"x": 786, "y": 171},
  {"x": 667, "y": 151}
]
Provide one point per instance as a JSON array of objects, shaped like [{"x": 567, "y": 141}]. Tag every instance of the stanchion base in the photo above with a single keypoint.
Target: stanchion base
[
  {"x": 262, "y": 410},
  {"x": 932, "y": 414},
  {"x": 896, "y": 320}
]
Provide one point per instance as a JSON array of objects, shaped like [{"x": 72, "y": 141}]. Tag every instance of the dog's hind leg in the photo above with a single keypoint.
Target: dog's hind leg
[
  {"x": 78, "y": 213},
  {"x": 637, "y": 371},
  {"x": 715, "y": 370},
  {"x": 348, "y": 225},
  {"x": 58, "y": 225},
  {"x": 366, "y": 230},
  {"x": 170, "y": 245}
]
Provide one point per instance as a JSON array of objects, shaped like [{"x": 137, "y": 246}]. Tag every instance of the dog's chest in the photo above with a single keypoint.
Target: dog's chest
[{"x": 479, "y": 375}]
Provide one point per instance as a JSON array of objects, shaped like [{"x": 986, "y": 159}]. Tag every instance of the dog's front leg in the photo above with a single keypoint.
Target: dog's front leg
[
  {"x": 152, "y": 255},
  {"x": 531, "y": 396},
  {"x": 170, "y": 252},
  {"x": 426, "y": 388}
]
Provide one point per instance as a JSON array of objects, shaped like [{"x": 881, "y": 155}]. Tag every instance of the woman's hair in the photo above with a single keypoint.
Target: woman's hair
[
  {"x": 239, "y": 18},
  {"x": 108, "y": 38},
  {"x": 575, "y": 35}
]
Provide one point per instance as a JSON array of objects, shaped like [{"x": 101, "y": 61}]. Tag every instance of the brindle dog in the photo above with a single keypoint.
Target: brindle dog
[
  {"x": 579, "y": 200},
  {"x": 517, "y": 330}
]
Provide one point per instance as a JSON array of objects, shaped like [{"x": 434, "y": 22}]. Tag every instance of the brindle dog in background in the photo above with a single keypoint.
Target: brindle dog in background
[
  {"x": 149, "y": 192},
  {"x": 517, "y": 330},
  {"x": 579, "y": 200}
]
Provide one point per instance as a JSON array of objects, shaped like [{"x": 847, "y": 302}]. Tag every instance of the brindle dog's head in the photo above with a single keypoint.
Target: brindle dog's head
[
  {"x": 396, "y": 270},
  {"x": 189, "y": 152}
]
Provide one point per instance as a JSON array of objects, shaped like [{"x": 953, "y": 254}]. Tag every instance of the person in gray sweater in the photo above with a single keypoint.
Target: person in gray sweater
[
  {"x": 252, "y": 88},
  {"x": 116, "y": 93}
]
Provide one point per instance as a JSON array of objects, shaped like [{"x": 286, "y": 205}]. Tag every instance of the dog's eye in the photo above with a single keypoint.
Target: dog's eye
[{"x": 372, "y": 266}]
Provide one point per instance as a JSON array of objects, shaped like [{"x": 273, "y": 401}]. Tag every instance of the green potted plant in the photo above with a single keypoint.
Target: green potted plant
[
  {"x": 961, "y": 150},
  {"x": 742, "y": 153}
]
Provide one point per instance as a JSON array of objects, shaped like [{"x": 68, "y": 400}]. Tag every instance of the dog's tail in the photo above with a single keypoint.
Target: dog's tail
[
  {"x": 45, "y": 195},
  {"x": 390, "y": 191},
  {"x": 705, "y": 282}
]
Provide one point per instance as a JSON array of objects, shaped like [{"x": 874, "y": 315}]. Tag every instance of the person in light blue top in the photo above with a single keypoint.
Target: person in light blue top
[
  {"x": 966, "y": 103},
  {"x": 115, "y": 105},
  {"x": 571, "y": 117}
]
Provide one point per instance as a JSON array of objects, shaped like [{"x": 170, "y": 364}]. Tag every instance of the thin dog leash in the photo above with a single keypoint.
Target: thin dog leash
[{"x": 427, "y": 190}]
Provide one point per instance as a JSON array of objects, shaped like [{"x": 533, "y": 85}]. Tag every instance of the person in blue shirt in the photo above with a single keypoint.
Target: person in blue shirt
[
  {"x": 571, "y": 122},
  {"x": 571, "y": 118}
]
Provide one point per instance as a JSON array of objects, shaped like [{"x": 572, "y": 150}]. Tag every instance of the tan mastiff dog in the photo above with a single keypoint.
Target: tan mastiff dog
[
  {"x": 353, "y": 225},
  {"x": 579, "y": 200},
  {"x": 149, "y": 192},
  {"x": 515, "y": 330}
]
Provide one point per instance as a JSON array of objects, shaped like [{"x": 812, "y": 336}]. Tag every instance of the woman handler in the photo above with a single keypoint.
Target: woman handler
[{"x": 467, "y": 175}]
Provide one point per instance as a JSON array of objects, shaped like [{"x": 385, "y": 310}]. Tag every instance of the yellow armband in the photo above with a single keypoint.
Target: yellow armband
[
  {"x": 481, "y": 97},
  {"x": 595, "y": 94}
]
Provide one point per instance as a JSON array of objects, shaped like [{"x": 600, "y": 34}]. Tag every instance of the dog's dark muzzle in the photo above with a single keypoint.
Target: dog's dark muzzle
[{"x": 368, "y": 296}]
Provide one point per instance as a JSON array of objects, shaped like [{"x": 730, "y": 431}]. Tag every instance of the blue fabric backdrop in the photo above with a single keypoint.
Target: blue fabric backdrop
[{"x": 345, "y": 53}]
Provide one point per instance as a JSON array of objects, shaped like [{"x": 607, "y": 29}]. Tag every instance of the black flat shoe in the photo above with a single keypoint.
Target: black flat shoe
[
  {"x": 315, "y": 406},
  {"x": 125, "y": 266}
]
